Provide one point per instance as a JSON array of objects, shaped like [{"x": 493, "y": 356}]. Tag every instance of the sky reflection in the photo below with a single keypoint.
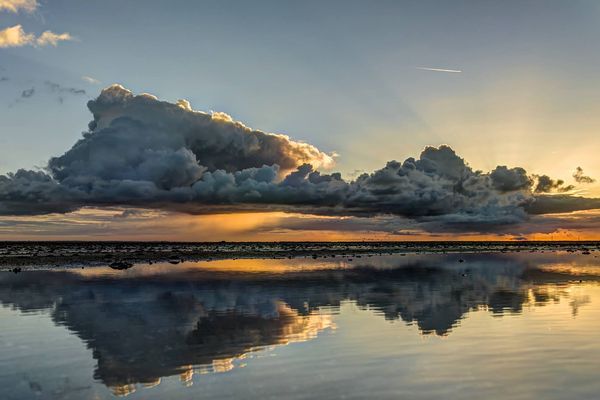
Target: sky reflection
[{"x": 162, "y": 320}]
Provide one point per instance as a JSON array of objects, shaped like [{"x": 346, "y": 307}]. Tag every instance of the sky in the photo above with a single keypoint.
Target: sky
[{"x": 351, "y": 85}]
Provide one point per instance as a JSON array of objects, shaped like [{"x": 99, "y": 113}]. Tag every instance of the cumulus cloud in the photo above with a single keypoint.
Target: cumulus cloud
[
  {"x": 507, "y": 179},
  {"x": 144, "y": 123},
  {"x": 15, "y": 36},
  {"x": 17, "y": 5},
  {"x": 143, "y": 152},
  {"x": 579, "y": 176}
]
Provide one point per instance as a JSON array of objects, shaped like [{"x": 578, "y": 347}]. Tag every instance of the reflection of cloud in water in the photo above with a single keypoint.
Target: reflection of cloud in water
[
  {"x": 146, "y": 323},
  {"x": 215, "y": 343}
]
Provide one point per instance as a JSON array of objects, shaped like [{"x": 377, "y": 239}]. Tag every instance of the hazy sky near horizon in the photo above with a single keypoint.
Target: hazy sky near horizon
[{"x": 503, "y": 83}]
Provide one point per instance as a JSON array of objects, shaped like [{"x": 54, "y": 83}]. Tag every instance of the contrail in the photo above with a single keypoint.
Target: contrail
[{"x": 439, "y": 69}]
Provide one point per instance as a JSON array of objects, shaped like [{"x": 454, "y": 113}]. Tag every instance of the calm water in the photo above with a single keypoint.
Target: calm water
[{"x": 514, "y": 326}]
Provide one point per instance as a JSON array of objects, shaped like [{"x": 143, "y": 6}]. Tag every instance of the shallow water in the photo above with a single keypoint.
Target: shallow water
[{"x": 500, "y": 326}]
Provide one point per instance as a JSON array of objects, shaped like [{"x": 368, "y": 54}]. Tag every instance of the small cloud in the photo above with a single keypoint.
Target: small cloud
[
  {"x": 52, "y": 39},
  {"x": 15, "y": 36},
  {"x": 4, "y": 79},
  {"x": 58, "y": 88},
  {"x": 52, "y": 87},
  {"x": 17, "y": 5},
  {"x": 27, "y": 93},
  {"x": 439, "y": 69},
  {"x": 581, "y": 178},
  {"x": 90, "y": 80},
  {"x": 545, "y": 184}
]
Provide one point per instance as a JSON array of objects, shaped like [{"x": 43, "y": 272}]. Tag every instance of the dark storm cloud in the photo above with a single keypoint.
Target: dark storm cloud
[
  {"x": 581, "y": 178},
  {"x": 143, "y": 152}
]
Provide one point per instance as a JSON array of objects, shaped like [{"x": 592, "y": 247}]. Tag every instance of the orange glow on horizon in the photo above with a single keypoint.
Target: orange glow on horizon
[{"x": 152, "y": 225}]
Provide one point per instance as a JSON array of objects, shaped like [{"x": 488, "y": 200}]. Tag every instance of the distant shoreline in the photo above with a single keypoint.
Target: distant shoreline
[{"x": 76, "y": 254}]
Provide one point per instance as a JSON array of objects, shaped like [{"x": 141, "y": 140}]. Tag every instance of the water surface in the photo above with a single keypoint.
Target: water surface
[{"x": 497, "y": 325}]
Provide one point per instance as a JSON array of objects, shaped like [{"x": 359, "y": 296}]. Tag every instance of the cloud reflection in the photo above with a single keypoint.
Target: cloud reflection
[{"x": 152, "y": 321}]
